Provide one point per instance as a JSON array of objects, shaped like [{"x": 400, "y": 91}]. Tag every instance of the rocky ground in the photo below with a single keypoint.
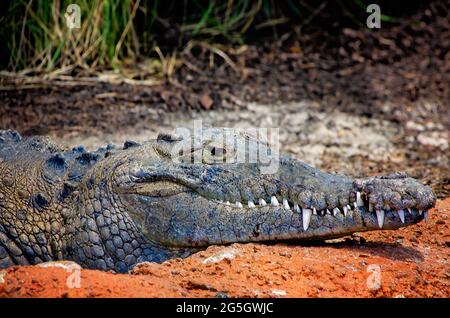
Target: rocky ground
[{"x": 410, "y": 262}]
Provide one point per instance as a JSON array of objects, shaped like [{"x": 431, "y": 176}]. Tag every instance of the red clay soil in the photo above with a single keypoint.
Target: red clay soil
[{"x": 410, "y": 262}]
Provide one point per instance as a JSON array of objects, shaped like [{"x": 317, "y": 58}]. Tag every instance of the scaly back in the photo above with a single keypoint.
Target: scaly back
[{"x": 38, "y": 184}]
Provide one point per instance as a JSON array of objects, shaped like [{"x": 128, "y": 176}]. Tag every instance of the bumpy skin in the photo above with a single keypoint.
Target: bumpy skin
[{"x": 113, "y": 208}]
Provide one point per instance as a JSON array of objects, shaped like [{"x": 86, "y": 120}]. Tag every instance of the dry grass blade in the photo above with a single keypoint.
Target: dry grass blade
[
  {"x": 214, "y": 49},
  {"x": 126, "y": 30}
]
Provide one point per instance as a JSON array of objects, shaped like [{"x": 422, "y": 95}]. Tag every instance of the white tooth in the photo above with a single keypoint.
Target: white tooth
[
  {"x": 306, "y": 218},
  {"x": 345, "y": 210},
  {"x": 220, "y": 201},
  {"x": 262, "y": 202},
  {"x": 401, "y": 215},
  {"x": 386, "y": 207},
  {"x": 286, "y": 204},
  {"x": 420, "y": 212},
  {"x": 355, "y": 205},
  {"x": 370, "y": 207},
  {"x": 227, "y": 203},
  {"x": 336, "y": 211},
  {"x": 409, "y": 210},
  {"x": 425, "y": 216},
  {"x": 251, "y": 204},
  {"x": 328, "y": 212},
  {"x": 380, "y": 218},
  {"x": 359, "y": 201},
  {"x": 239, "y": 205},
  {"x": 314, "y": 211},
  {"x": 274, "y": 201},
  {"x": 297, "y": 208},
  {"x": 349, "y": 207}
]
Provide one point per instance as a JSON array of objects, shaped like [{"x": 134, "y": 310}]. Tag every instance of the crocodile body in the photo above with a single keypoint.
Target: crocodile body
[{"x": 113, "y": 208}]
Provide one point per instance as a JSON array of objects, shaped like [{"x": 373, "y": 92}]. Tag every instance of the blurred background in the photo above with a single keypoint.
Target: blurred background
[{"x": 346, "y": 97}]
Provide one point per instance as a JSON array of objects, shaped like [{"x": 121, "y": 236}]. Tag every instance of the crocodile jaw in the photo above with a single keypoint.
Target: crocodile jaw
[
  {"x": 188, "y": 219},
  {"x": 193, "y": 205}
]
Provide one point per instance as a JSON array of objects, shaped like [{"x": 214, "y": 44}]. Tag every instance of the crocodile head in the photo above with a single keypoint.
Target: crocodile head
[
  {"x": 190, "y": 191},
  {"x": 170, "y": 197}
]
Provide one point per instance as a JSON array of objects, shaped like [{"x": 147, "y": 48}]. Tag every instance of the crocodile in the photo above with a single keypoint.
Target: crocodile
[{"x": 177, "y": 194}]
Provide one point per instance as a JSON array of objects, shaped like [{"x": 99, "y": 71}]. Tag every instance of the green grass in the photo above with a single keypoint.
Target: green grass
[
  {"x": 35, "y": 38},
  {"x": 38, "y": 39}
]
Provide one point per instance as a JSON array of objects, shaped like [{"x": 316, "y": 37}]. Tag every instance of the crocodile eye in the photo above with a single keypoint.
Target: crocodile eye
[
  {"x": 217, "y": 151},
  {"x": 214, "y": 153}
]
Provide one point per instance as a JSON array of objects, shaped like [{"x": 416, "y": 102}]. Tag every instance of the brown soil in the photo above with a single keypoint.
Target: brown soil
[{"x": 412, "y": 262}]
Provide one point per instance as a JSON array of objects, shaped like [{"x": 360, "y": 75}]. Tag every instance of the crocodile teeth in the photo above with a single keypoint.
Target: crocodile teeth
[
  {"x": 345, "y": 210},
  {"x": 370, "y": 207},
  {"x": 328, "y": 212},
  {"x": 239, "y": 205},
  {"x": 355, "y": 205},
  {"x": 306, "y": 218},
  {"x": 425, "y": 216},
  {"x": 314, "y": 211},
  {"x": 286, "y": 204},
  {"x": 380, "y": 218},
  {"x": 359, "y": 201},
  {"x": 401, "y": 215},
  {"x": 274, "y": 201},
  {"x": 251, "y": 204},
  {"x": 262, "y": 202},
  {"x": 227, "y": 203},
  {"x": 336, "y": 211},
  {"x": 420, "y": 212},
  {"x": 409, "y": 210},
  {"x": 297, "y": 208},
  {"x": 349, "y": 207}
]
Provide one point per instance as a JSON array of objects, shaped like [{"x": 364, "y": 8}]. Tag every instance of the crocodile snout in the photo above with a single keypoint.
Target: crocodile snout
[{"x": 396, "y": 193}]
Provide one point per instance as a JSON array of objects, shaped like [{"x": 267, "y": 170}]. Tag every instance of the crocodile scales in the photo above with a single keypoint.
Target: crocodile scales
[{"x": 113, "y": 208}]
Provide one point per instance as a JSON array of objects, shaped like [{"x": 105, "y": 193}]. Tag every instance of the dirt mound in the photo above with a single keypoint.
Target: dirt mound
[{"x": 411, "y": 262}]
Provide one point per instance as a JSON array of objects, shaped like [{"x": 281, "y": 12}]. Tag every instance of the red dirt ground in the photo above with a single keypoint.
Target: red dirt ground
[{"x": 411, "y": 262}]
